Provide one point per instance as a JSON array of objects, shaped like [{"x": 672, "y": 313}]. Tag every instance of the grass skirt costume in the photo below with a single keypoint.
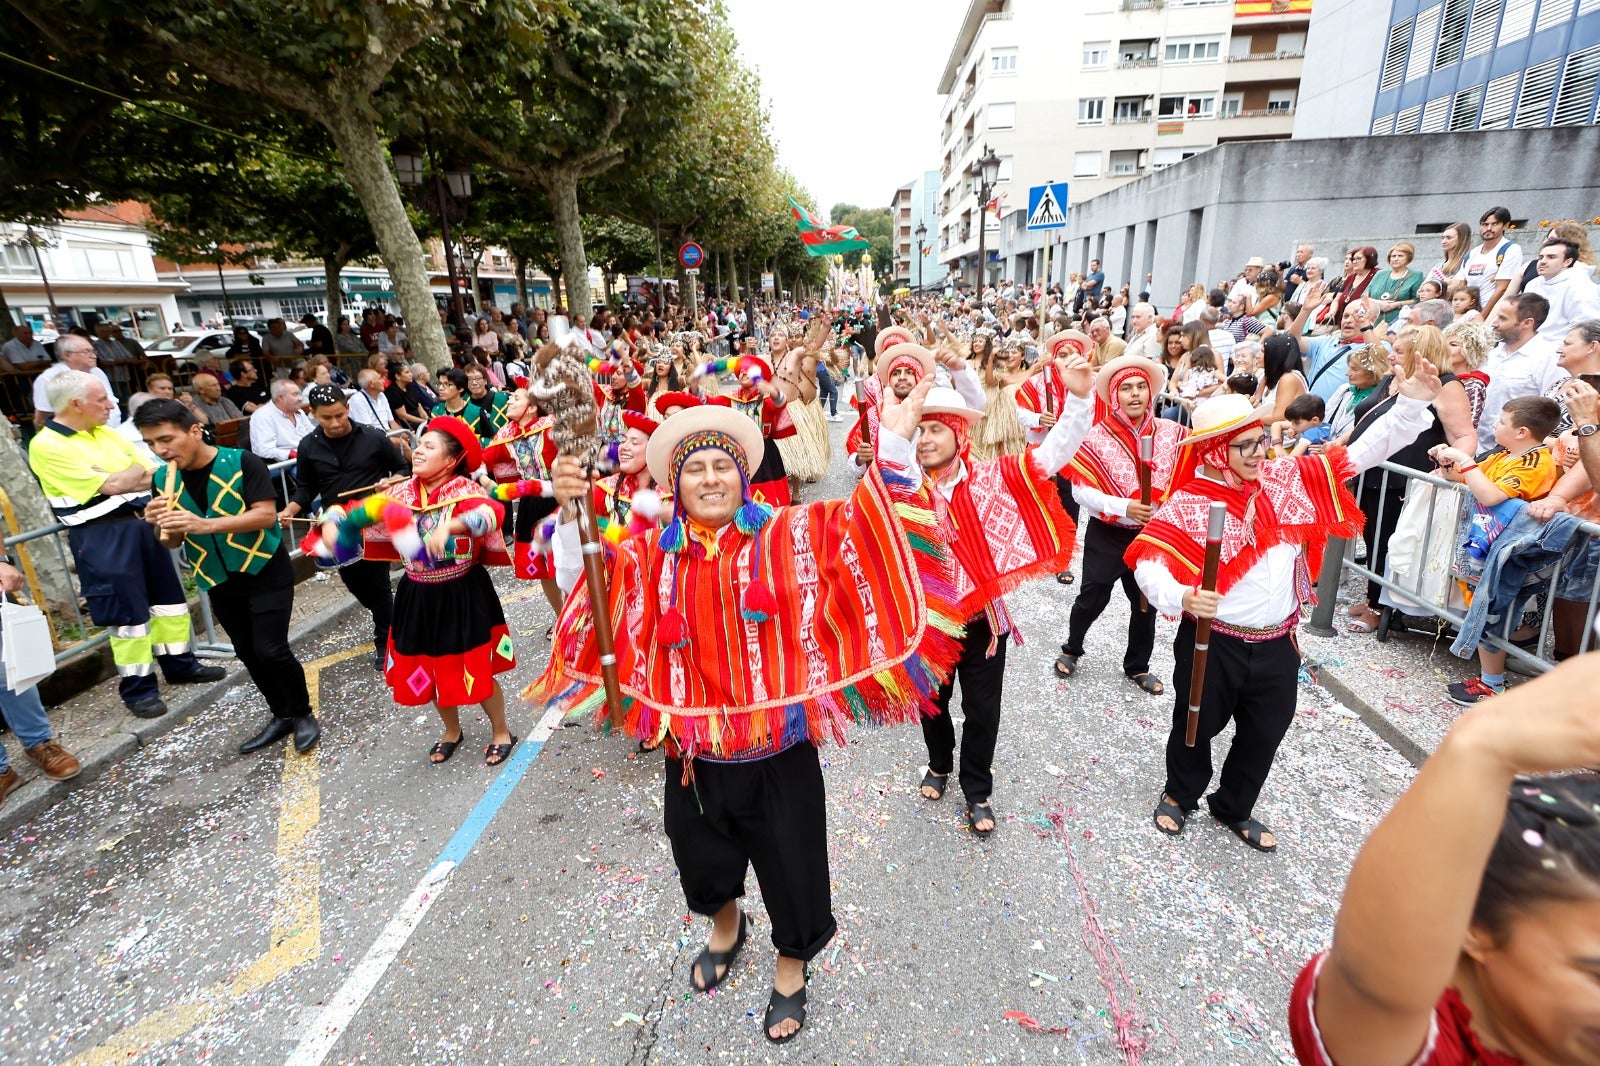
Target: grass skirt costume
[
  {"x": 998, "y": 431},
  {"x": 449, "y": 637},
  {"x": 807, "y": 452},
  {"x": 525, "y": 453},
  {"x": 770, "y": 481}
]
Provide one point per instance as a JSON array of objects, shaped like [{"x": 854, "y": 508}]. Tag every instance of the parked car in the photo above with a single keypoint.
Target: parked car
[{"x": 193, "y": 345}]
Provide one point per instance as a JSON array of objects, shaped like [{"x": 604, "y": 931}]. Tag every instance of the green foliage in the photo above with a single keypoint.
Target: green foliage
[{"x": 874, "y": 223}]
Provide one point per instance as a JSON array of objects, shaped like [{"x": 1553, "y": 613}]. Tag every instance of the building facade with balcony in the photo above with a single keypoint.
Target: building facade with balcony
[
  {"x": 1097, "y": 93},
  {"x": 915, "y": 210},
  {"x": 1435, "y": 66}
]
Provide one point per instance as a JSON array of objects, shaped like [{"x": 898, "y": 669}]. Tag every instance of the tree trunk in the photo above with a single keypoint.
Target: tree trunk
[
  {"x": 557, "y": 297},
  {"x": 716, "y": 259},
  {"x": 733, "y": 279},
  {"x": 33, "y": 512},
  {"x": 606, "y": 278},
  {"x": 562, "y": 187},
  {"x": 521, "y": 269},
  {"x": 332, "y": 267},
  {"x": 356, "y": 139},
  {"x": 5, "y": 313}
]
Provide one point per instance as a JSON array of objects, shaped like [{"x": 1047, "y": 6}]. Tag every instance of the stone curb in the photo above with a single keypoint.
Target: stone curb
[
  {"x": 1388, "y": 728},
  {"x": 40, "y": 792}
]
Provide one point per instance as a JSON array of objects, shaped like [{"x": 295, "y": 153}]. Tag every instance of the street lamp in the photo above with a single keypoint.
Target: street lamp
[
  {"x": 986, "y": 169},
  {"x": 412, "y": 167},
  {"x": 922, "y": 233}
]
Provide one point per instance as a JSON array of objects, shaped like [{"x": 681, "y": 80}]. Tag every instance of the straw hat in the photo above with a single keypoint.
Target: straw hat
[
  {"x": 1081, "y": 341},
  {"x": 896, "y": 354},
  {"x": 675, "y": 428},
  {"x": 891, "y": 335},
  {"x": 942, "y": 400},
  {"x": 1222, "y": 415}
]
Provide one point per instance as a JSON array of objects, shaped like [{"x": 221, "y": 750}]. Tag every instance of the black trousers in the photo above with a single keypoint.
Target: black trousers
[
  {"x": 368, "y": 582},
  {"x": 1103, "y": 548},
  {"x": 1254, "y": 685},
  {"x": 981, "y": 677},
  {"x": 768, "y": 813},
  {"x": 258, "y": 626},
  {"x": 1389, "y": 498},
  {"x": 1068, "y": 502}
]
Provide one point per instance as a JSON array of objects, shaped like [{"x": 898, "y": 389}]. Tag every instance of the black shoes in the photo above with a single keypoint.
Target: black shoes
[
  {"x": 153, "y": 707},
  {"x": 304, "y": 729},
  {"x": 202, "y": 675}
]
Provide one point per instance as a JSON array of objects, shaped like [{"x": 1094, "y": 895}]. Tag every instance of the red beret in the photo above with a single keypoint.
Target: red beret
[{"x": 463, "y": 434}]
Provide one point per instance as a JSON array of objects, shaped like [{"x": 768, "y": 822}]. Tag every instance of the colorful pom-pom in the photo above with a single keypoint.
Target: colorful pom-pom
[
  {"x": 614, "y": 532},
  {"x": 674, "y": 537},
  {"x": 759, "y": 602},
  {"x": 751, "y": 517},
  {"x": 647, "y": 504},
  {"x": 673, "y": 630}
]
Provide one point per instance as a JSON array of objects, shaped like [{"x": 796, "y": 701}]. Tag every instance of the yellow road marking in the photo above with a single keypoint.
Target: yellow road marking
[{"x": 297, "y": 906}]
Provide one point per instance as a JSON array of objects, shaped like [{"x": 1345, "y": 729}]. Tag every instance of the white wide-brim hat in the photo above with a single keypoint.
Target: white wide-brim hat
[
  {"x": 942, "y": 400},
  {"x": 686, "y": 423}
]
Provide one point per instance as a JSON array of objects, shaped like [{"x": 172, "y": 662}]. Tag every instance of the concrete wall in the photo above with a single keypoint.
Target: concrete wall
[
  {"x": 1344, "y": 53},
  {"x": 1202, "y": 218}
]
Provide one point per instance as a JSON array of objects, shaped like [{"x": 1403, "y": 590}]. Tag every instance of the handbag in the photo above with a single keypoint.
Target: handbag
[{"x": 26, "y": 649}]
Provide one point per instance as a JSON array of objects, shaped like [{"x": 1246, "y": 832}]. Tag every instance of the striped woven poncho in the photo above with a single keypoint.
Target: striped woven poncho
[{"x": 864, "y": 630}]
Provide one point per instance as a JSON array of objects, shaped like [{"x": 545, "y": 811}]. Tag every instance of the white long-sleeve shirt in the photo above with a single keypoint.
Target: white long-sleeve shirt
[
  {"x": 1266, "y": 595},
  {"x": 273, "y": 434},
  {"x": 1532, "y": 370},
  {"x": 1055, "y": 452},
  {"x": 1101, "y": 505}
]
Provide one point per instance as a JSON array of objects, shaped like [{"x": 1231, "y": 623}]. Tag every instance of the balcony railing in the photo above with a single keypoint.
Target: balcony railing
[
  {"x": 1261, "y": 112},
  {"x": 1266, "y": 55},
  {"x": 1143, "y": 5},
  {"x": 1128, "y": 120},
  {"x": 1130, "y": 62}
]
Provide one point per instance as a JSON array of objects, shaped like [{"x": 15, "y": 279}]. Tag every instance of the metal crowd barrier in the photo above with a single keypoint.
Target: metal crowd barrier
[{"x": 1454, "y": 506}]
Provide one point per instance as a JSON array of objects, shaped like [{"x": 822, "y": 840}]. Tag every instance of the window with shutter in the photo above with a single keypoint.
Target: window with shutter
[
  {"x": 1576, "y": 99},
  {"x": 1464, "y": 109},
  {"x": 1497, "y": 100},
  {"x": 1383, "y": 125},
  {"x": 1394, "y": 55},
  {"x": 1586, "y": 6},
  {"x": 1485, "y": 20},
  {"x": 1417, "y": 63},
  {"x": 1552, "y": 13},
  {"x": 1538, "y": 86},
  {"x": 1518, "y": 21},
  {"x": 1435, "y": 115},
  {"x": 1452, "y": 33},
  {"x": 1406, "y": 121}
]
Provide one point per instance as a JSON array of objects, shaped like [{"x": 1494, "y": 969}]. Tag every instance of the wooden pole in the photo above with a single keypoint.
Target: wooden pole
[
  {"x": 1202, "y": 629},
  {"x": 1145, "y": 444}
]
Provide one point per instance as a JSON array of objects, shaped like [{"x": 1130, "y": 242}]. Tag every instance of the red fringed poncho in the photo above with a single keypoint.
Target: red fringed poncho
[
  {"x": 862, "y": 630},
  {"x": 1300, "y": 501}
]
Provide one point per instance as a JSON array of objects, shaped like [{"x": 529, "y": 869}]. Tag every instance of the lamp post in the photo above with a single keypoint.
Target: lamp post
[
  {"x": 986, "y": 169},
  {"x": 922, "y": 233},
  {"x": 411, "y": 168}
]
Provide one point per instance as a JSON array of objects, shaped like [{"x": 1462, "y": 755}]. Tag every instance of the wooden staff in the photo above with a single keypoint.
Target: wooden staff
[
  {"x": 367, "y": 489},
  {"x": 1202, "y": 628},
  {"x": 594, "y": 575},
  {"x": 861, "y": 402},
  {"x": 1144, "y": 495}
]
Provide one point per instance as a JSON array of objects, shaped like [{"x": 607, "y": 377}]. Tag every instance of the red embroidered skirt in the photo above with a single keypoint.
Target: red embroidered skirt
[
  {"x": 528, "y": 564},
  {"x": 449, "y": 639}
]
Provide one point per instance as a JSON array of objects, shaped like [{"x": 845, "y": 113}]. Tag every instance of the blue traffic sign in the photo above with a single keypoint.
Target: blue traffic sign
[
  {"x": 1047, "y": 206},
  {"x": 691, "y": 255}
]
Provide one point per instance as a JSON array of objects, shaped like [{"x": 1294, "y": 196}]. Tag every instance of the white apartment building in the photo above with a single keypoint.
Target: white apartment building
[{"x": 1096, "y": 93}]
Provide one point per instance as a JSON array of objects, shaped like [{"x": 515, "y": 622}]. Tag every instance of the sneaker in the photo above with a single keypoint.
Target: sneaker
[
  {"x": 1471, "y": 691},
  {"x": 202, "y": 675},
  {"x": 57, "y": 762}
]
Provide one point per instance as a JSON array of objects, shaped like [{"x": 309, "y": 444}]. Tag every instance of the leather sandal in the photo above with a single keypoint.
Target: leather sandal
[
  {"x": 782, "y": 1008},
  {"x": 937, "y": 782},
  {"x": 981, "y": 811},
  {"x": 707, "y": 962},
  {"x": 1066, "y": 664},
  {"x": 1166, "y": 807},
  {"x": 444, "y": 749},
  {"x": 495, "y": 754},
  {"x": 1250, "y": 831},
  {"x": 1149, "y": 682}
]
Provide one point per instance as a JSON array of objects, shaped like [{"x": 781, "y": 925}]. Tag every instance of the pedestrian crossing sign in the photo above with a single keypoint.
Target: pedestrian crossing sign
[{"x": 1047, "y": 206}]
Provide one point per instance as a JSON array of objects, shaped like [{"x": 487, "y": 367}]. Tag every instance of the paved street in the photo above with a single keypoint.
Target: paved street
[{"x": 359, "y": 905}]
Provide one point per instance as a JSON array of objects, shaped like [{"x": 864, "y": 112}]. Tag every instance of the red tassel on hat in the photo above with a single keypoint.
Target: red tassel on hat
[{"x": 673, "y": 630}]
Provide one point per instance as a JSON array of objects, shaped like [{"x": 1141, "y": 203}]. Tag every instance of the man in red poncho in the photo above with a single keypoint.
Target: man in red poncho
[{"x": 1281, "y": 513}]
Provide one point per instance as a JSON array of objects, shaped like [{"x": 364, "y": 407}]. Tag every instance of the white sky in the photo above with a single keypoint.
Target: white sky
[{"x": 852, "y": 87}]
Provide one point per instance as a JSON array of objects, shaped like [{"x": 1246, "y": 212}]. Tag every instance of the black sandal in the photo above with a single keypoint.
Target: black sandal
[
  {"x": 724, "y": 959},
  {"x": 1165, "y": 806},
  {"x": 937, "y": 782},
  {"x": 1250, "y": 831},
  {"x": 1149, "y": 682},
  {"x": 495, "y": 754},
  {"x": 444, "y": 749},
  {"x": 782, "y": 1008},
  {"x": 1066, "y": 664},
  {"x": 980, "y": 812},
  {"x": 1065, "y": 577}
]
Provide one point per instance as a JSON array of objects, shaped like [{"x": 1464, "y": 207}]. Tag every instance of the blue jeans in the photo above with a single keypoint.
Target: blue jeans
[
  {"x": 827, "y": 389},
  {"x": 24, "y": 714}
]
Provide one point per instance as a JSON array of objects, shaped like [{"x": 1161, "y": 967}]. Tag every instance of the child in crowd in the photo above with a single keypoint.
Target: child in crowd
[
  {"x": 1521, "y": 467},
  {"x": 1469, "y": 921},
  {"x": 1302, "y": 426},
  {"x": 1197, "y": 380},
  {"x": 1428, "y": 290},
  {"x": 1243, "y": 384},
  {"x": 1464, "y": 302}
]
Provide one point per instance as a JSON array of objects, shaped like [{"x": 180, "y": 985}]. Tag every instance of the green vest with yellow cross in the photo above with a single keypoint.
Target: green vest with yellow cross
[{"x": 216, "y": 555}]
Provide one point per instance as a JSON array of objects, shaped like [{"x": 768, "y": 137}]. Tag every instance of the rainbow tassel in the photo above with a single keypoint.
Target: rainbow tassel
[
  {"x": 750, "y": 518},
  {"x": 674, "y": 536}
]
